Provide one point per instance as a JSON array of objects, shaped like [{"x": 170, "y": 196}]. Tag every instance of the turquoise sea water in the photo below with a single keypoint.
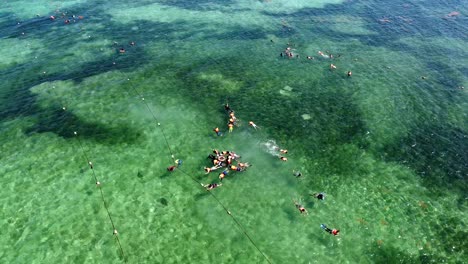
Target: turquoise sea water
[{"x": 388, "y": 145}]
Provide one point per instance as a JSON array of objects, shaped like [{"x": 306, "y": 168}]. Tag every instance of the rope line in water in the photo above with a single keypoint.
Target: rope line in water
[
  {"x": 98, "y": 183},
  {"x": 155, "y": 119},
  {"x": 115, "y": 233},
  {"x": 91, "y": 166},
  {"x": 241, "y": 228}
]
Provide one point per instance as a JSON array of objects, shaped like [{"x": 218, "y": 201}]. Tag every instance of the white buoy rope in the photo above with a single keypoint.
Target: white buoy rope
[{"x": 99, "y": 185}]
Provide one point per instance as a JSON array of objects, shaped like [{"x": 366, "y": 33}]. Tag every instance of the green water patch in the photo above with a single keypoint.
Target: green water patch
[
  {"x": 20, "y": 51},
  {"x": 431, "y": 151},
  {"x": 351, "y": 137},
  {"x": 42, "y": 198}
]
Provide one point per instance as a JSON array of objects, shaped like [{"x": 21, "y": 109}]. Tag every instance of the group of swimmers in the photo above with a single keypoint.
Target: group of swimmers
[
  {"x": 303, "y": 210},
  {"x": 233, "y": 121},
  {"x": 288, "y": 52},
  {"x": 225, "y": 159}
]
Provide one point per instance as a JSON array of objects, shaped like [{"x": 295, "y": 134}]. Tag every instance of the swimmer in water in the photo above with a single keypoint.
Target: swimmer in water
[
  {"x": 284, "y": 151},
  {"x": 297, "y": 174},
  {"x": 320, "y": 196},
  {"x": 208, "y": 170},
  {"x": 349, "y": 73},
  {"x": 223, "y": 174},
  {"x": 211, "y": 186},
  {"x": 283, "y": 158},
  {"x": 332, "y": 66},
  {"x": 232, "y": 116},
  {"x": 218, "y": 133},
  {"x": 300, "y": 208},
  {"x": 334, "y": 232},
  {"x": 322, "y": 54},
  {"x": 231, "y": 127},
  {"x": 227, "y": 108},
  {"x": 243, "y": 165},
  {"x": 171, "y": 168},
  {"x": 252, "y": 124}
]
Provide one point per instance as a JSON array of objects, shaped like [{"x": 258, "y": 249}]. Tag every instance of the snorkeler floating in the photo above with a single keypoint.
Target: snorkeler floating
[
  {"x": 320, "y": 196},
  {"x": 211, "y": 186},
  {"x": 218, "y": 133},
  {"x": 297, "y": 174},
  {"x": 252, "y": 124},
  {"x": 334, "y": 232},
  {"x": 300, "y": 207}
]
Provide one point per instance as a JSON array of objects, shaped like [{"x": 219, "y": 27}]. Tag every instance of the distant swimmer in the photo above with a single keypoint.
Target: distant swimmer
[
  {"x": 223, "y": 174},
  {"x": 231, "y": 127},
  {"x": 211, "y": 186},
  {"x": 334, "y": 232},
  {"x": 332, "y": 66},
  {"x": 300, "y": 208},
  {"x": 322, "y": 54},
  {"x": 349, "y": 73},
  {"x": 208, "y": 170},
  {"x": 297, "y": 174},
  {"x": 243, "y": 165},
  {"x": 252, "y": 124},
  {"x": 283, "y": 158},
  {"x": 232, "y": 116},
  {"x": 320, "y": 196},
  {"x": 227, "y": 108},
  {"x": 218, "y": 133},
  {"x": 171, "y": 168},
  {"x": 284, "y": 151},
  {"x": 235, "y": 168}
]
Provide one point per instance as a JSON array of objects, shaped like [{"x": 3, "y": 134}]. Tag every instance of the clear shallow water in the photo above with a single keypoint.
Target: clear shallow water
[{"x": 388, "y": 147}]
